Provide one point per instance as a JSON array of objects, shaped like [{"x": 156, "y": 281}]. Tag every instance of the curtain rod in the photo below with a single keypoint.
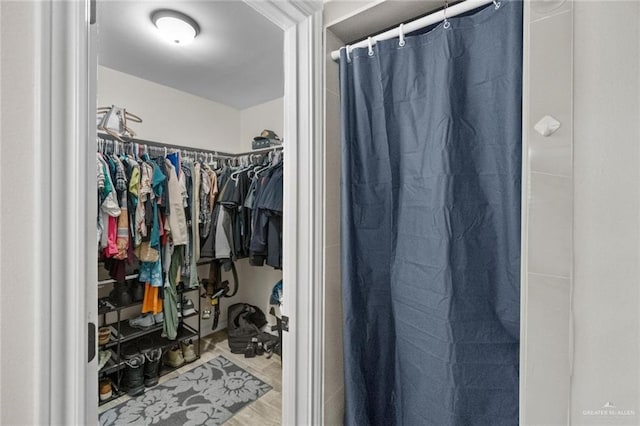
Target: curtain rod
[{"x": 418, "y": 24}]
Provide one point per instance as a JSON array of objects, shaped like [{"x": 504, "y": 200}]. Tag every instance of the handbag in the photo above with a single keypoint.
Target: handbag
[{"x": 145, "y": 253}]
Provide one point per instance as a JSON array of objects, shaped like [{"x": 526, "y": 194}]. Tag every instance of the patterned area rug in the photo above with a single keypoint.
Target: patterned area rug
[{"x": 207, "y": 395}]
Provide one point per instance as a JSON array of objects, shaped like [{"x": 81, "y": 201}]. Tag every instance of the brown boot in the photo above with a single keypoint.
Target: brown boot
[{"x": 173, "y": 357}]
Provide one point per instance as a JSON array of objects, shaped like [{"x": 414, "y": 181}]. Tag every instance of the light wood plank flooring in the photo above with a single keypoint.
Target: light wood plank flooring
[{"x": 266, "y": 410}]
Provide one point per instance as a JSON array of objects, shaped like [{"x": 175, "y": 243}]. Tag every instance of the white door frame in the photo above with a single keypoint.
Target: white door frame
[{"x": 65, "y": 258}]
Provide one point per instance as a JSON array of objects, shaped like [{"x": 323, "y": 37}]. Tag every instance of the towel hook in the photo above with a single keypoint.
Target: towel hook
[
  {"x": 447, "y": 24},
  {"x": 370, "y": 43},
  {"x": 401, "y": 31}
]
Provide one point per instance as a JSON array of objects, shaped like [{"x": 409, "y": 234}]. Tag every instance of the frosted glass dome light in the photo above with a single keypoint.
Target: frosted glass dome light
[{"x": 175, "y": 27}]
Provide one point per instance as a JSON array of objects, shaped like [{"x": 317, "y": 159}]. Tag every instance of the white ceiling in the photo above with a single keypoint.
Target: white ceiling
[{"x": 236, "y": 60}]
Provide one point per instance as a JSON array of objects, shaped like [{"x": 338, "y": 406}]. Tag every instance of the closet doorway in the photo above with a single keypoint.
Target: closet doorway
[{"x": 192, "y": 117}]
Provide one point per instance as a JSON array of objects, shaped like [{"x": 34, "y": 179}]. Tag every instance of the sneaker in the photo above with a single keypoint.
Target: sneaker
[
  {"x": 188, "y": 351},
  {"x": 173, "y": 357},
  {"x": 159, "y": 318},
  {"x": 103, "y": 358},
  {"x": 143, "y": 322},
  {"x": 188, "y": 308},
  {"x": 105, "y": 389},
  {"x": 152, "y": 367}
]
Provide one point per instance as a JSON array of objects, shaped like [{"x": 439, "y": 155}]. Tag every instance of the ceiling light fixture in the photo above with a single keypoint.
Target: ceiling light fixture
[{"x": 175, "y": 27}]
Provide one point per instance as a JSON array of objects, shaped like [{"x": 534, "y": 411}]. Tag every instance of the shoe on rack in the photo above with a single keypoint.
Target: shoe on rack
[
  {"x": 105, "y": 389},
  {"x": 173, "y": 357},
  {"x": 145, "y": 344},
  {"x": 129, "y": 350},
  {"x": 188, "y": 308},
  {"x": 159, "y": 318},
  {"x": 188, "y": 351},
  {"x": 104, "y": 334},
  {"x": 137, "y": 291},
  {"x": 120, "y": 295},
  {"x": 152, "y": 367},
  {"x": 133, "y": 380},
  {"x": 143, "y": 322},
  {"x": 103, "y": 358}
]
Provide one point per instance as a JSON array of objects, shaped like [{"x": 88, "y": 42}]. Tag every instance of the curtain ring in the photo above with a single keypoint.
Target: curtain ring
[
  {"x": 347, "y": 51},
  {"x": 447, "y": 24},
  {"x": 401, "y": 31},
  {"x": 370, "y": 43},
  {"x": 497, "y": 4}
]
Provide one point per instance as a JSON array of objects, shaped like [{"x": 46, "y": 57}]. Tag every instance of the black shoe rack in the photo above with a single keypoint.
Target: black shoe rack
[{"x": 123, "y": 334}]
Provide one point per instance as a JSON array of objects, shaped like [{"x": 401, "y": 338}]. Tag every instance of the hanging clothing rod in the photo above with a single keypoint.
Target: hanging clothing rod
[
  {"x": 259, "y": 151},
  {"x": 219, "y": 154},
  {"x": 157, "y": 144},
  {"x": 418, "y": 24}
]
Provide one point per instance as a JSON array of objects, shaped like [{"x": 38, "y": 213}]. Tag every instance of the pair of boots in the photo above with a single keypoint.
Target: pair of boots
[
  {"x": 180, "y": 353},
  {"x": 142, "y": 369},
  {"x": 124, "y": 294}
]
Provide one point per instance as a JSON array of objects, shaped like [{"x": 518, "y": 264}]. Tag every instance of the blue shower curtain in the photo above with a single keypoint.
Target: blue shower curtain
[{"x": 431, "y": 224}]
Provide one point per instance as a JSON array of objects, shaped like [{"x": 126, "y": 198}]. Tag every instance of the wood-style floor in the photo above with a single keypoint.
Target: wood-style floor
[{"x": 266, "y": 410}]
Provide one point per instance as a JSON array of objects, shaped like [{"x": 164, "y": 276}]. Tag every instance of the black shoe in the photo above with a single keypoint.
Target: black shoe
[
  {"x": 250, "y": 351},
  {"x": 120, "y": 295},
  {"x": 133, "y": 380},
  {"x": 152, "y": 367},
  {"x": 137, "y": 291}
]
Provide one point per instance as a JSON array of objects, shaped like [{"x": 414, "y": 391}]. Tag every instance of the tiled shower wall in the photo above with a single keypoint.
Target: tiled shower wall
[
  {"x": 547, "y": 271},
  {"x": 580, "y": 298},
  {"x": 333, "y": 371},
  {"x": 606, "y": 297}
]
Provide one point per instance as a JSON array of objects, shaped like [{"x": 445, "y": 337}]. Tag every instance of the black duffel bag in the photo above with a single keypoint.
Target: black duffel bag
[{"x": 244, "y": 323}]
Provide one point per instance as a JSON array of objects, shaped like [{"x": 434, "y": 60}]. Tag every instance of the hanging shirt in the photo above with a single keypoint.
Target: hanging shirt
[
  {"x": 144, "y": 193},
  {"x": 157, "y": 182},
  {"x": 205, "y": 211},
  {"x": 176, "y": 220},
  {"x": 194, "y": 243}
]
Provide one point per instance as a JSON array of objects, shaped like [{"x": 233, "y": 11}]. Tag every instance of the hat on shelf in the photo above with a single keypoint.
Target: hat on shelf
[{"x": 266, "y": 139}]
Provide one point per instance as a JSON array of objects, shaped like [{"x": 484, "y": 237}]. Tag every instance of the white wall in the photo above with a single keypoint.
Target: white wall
[
  {"x": 607, "y": 211},
  {"x": 169, "y": 115},
  {"x": 180, "y": 118},
  {"x": 18, "y": 340},
  {"x": 253, "y": 120}
]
